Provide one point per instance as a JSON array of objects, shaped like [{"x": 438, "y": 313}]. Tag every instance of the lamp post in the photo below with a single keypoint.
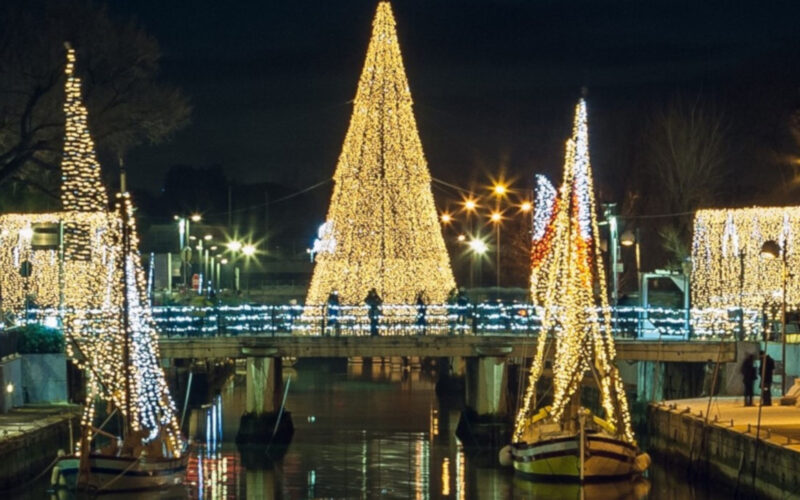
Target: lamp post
[
  {"x": 496, "y": 219},
  {"x": 499, "y": 190},
  {"x": 631, "y": 238},
  {"x": 234, "y": 246},
  {"x": 772, "y": 250},
  {"x": 248, "y": 251}
]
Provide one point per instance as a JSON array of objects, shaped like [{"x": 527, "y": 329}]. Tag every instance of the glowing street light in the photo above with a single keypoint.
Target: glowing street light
[
  {"x": 196, "y": 218},
  {"x": 470, "y": 205},
  {"x": 234, "y": 246},
  {"x": 207, "y": 237},
  {"x": 499, "y": 189},
  {"x": 496, "y": 216},
  {"x": 461, "y": 238},
  {"x": 446, "y": 218},
  {"x": 526, "y": 206},
  {"x": 248, "y": 250},
  {"x": 478, "y": 246}
]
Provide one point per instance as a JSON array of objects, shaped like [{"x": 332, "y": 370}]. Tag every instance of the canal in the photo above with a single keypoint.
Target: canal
[{"x": 371, "y": 431}]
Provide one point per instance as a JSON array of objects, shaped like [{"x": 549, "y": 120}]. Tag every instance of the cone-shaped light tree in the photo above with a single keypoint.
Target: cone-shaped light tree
[
  {"x": 382, "y": 228},
  {"x": 569, "y": 287},
  {"x": 107, "y": 318},
  {"x": 82, "y": 188}
]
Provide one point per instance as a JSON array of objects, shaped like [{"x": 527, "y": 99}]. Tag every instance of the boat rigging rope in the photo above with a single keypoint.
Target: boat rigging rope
[{"x": 126, "y": 469}]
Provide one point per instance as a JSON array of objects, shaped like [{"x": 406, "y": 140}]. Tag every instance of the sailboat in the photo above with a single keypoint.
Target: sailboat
[
  {"x": 563, "y": 440},
  {"x": 149, "y": 453}
]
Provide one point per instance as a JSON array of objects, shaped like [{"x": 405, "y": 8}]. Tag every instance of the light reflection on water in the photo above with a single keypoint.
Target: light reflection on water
[
  {"x": 371, "y": 431},
  {"x": 376, "y": 431}
]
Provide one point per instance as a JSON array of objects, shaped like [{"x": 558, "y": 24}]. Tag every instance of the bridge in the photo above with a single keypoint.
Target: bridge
[
  {"x": 502, "y": 345},
  {"x": 513, "y": 318}
]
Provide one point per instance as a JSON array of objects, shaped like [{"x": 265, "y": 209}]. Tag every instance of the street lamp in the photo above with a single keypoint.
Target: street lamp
[
  {"x": 496, "y": 218},
  {"x": 196, "y": 217},
  {"x": 446, "y": 218},
  {"x": 631, "y": 238},
  {"x": 770, "y": 249},
  {"x": 526, "y": 207}
]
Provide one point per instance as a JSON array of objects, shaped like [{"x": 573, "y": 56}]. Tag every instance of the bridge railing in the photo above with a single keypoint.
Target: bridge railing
[
  {"x": 484, "y": 318},
  {"x": 480, "y": 319}
]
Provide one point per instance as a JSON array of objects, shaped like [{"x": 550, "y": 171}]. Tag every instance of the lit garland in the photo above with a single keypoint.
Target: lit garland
[
  {"x": 565, "y": 293},
  {"x": 382, "y": 222},
  {"x": 82, "y": 188},
  {"x": 87, "y": 285},
  {"x": 728, "y": 271}
]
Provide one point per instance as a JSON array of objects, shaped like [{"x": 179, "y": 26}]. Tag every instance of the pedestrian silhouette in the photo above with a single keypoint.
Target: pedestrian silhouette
[
  {"x": 767, "y": 367},
  {"x": 422, "y": 313},
  {"x": 333, "y": 311},
  {"x": 374, "y": 303},
  {"x": 464, "y": 310},
  {"x": 749, "y": 376}
]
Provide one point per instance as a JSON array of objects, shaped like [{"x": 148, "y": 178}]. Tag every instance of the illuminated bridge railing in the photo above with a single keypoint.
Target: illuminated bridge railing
[{"x": 475, "y": 319}]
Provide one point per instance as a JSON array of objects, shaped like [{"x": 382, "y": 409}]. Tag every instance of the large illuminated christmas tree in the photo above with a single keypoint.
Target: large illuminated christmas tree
[
  {"x": 382, "y": 228},
  {"x": 569, "y": 287}
]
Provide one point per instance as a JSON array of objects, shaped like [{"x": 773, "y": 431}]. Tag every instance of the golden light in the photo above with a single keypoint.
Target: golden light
[
  {"x": 478, "y": 246},
  {"x": 461, "y": 238},
  {"x": 496, "y": 216},
  {"x": 499, "y": 189},
  {"x": 382, "y": 229},
  {"x": 234, "y": 246},
  {"x": 196, "y": 217},
  {"x": 567, "y": 280},
  {"x": 737, "y": 262},
  {"x": 470, "y": 205},
  {"x": 92, "y": 299},
  {"x": 207, "y": 237},
  {"x": 526, "y": 206},
  {"x": 627, "y": 239},
  {"x": 446, "y": 218},
  {"x": 248, "y": 250}
]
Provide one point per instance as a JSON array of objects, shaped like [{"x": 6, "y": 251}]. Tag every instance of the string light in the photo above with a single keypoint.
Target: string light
[
  {"x": 564, "y": 292},
  {"x": 728, "y": 270},
  {"x": 86, "y": 287},
  {"x": 382, "y": 216}
]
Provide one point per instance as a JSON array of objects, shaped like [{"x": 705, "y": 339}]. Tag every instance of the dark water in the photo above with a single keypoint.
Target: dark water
[{"x": 370, "y": 431}]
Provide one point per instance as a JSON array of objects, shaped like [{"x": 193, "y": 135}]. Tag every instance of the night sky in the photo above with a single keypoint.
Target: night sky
[{"x": 493, "y": 83}]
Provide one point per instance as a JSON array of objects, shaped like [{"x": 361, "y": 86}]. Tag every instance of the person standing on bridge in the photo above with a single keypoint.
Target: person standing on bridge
[
  {"x": 749, "y": 376},
  {"x": 374, "y": 303},
  {"x": 766, "y": 368},
  {"x": 333, "y": 311},
  {"x": 422, "y": 313},
  {"x": 464, "y": 309}
]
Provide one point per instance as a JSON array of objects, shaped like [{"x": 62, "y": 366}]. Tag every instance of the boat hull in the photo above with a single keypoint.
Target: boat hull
[
  {"x": 605, "y": 459},
  {"x": 110, "y": 474}
]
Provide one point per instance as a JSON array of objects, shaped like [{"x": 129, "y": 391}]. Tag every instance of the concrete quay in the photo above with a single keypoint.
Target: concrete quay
[
  {"x": 719, "y": 440},
  {"x": 30, "y": 437}
]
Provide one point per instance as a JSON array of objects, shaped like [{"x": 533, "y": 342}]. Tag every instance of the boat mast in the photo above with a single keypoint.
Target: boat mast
[{"x": 126, "y": 355}]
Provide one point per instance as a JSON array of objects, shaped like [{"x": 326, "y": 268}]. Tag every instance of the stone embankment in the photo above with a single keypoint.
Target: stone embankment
[
  {"x": 723, "y": 440},
  {"x": 30, "y": 438}
]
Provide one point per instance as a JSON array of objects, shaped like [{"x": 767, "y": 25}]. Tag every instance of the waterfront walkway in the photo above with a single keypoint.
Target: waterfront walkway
[
  {"x": 30, "y": 437},
  {"x": 28, "y": 419},
  {"x": 780, "y": 425}
]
